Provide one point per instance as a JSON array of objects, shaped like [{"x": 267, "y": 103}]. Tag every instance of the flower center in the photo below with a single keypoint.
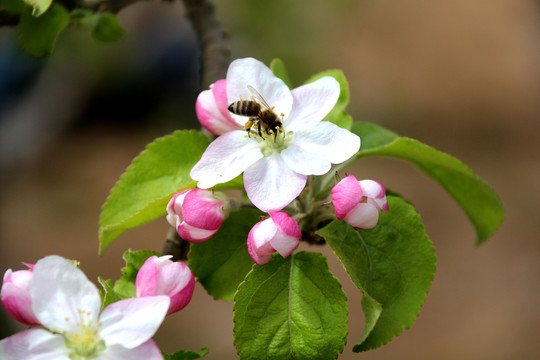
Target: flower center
[
  {"x": 275, "y": 142},
  {"x": 86, "y": 343}
]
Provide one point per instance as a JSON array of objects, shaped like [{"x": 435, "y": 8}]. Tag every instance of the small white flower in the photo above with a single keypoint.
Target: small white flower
[
  {"x": 276, "y": 165},
  {"x": 68, "y": 305}
]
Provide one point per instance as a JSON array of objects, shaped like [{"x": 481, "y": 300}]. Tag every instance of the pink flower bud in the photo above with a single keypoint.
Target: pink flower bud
[
  {"x": 15, "y": 295},
  {"x": 161, "y": 276},
  {"x": 277, "y": 233},
  {"x": 359, "y": 202},
  {"x": 197, "y": 214},
  {"x": 211, "y": 109}
]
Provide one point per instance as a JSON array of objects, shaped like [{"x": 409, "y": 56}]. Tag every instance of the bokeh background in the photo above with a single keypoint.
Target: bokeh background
[{"x": 462, "y": 76}]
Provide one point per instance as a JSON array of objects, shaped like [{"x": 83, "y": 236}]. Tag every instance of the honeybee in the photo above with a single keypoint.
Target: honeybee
[{"x": 261, "y": 115}]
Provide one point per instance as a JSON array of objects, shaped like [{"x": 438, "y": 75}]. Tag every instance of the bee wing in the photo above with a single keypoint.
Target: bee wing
[{"x": 255, "y": 94}]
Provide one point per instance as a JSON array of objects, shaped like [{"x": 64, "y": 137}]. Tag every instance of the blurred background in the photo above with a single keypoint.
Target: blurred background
[{"x": 462, "y": 76}]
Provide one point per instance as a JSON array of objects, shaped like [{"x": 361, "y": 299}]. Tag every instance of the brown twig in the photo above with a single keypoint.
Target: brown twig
[
  {"x": 175, "y": 246},
  {"x": 215, "y": 53}
]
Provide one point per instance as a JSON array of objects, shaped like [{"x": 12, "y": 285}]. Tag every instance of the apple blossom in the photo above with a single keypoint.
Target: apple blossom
[
  {"x": 277, "y": 233},
  {"x": 211, "y": 109},
  {"x": 15, "y": 295},
  {"x": 359, "y": 202},
  {"x": 161, "y": 276},
  {"x": 196, "y": 214},
  {"x": 67, "y": 304},
  {"x": 276, "y": 164}
]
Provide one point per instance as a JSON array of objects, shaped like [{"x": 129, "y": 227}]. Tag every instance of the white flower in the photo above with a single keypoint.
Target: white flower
[
  {"x": 68, "y": 305},
  {"x": 276, "y": 165}
]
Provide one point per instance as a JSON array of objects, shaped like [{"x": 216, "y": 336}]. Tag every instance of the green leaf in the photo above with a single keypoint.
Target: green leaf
[
  {"x": 107, "y": 28},
  {"x": 474, "y": 196},
  {"x": 278, "y": 68},
  {"x": 104, "y": 26},
  {"x": 186, "y": 355},
  {"x": 221, "y": 263},
  {"x": 143, "y": 191},
  {"x": 125, "y": 286},
  {"x": 337, "y": 115},
  {"x": 38, "y": 35},
  {"x": 109, "y": 294},
  {"x": 393, "y": 265},
  {"x": 290, "y": 308}
]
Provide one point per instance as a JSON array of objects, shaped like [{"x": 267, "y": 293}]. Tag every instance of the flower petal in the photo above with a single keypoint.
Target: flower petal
[
  {"x": 271, "y": 185},
  {"x": 220, "y": 95},
  {"x": 287, "y": 238},
  {"x": 211, "y": 110},
  {"x": 314, "y": 149},
  {"x": 146, "y": 351},
  {"x": 202, "y": 210},
  {"x": 363, "y": 216},
  {"x": 146, "y": 282},
  {"x": 33, "y": 344},
  {"x": 15, "y": 296},
  {"x": 194, "y": 234},
  {"x": 133, "y": 321},
  {"x": 372, "y": 189},
  {"x": 345, "y": 196},
  {"x": 248, "y": 71},
  {"x": 226, "y": 158},
  {"x": 259, "y": 247},
  {"x": 312, "y": 102},
  {"x": 59, "y": 290}
]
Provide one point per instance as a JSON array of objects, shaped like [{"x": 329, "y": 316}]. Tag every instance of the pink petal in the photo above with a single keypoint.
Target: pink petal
[
  {"x": 191, "y": 233},
  {"x": 271, "y": 185},
  {"x": 15, "y": 296},
  {"x": 226, "y": 158},
  {"x": 183, "y": 292},
  {"x": 174, "y": 208},
  {"x": 212, "y": 112},
  {"x": 345, "y": 196},
  {"x": 286, "y": 224},
  {"x": 220, "y": 95},
  {"x": 200, "y": 209},
  {"x": 312, "y": 102},
  {"x": 147, "y": 278},
  {"x": 258, "y": 241},
  {"x": 133, "y": 321},
  {"x": 363, "y": 216}
]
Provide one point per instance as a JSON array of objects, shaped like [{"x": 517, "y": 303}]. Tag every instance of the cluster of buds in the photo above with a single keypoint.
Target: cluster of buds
[{"x": 198, "y": 214}]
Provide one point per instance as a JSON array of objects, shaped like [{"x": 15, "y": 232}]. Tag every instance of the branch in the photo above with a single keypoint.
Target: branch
[
  {"x": 175, "y": 245},
  {"x": 215, "y": 51},
  {"x": 215, "y": 58}
]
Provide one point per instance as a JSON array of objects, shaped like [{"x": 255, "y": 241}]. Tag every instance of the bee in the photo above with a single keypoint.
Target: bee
[{"x": 261, "y": 115}]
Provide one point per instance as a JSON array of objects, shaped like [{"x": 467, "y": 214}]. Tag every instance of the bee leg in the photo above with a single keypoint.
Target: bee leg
[
  {"x": 248, "y": 126},
  {"x": 259, "y": 128}
]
